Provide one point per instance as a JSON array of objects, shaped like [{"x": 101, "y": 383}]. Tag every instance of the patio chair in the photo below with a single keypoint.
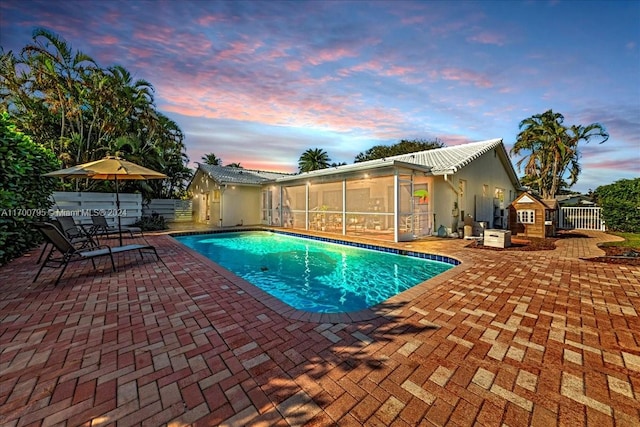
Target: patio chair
[
  {"x": 102, "y": 228},
  {"x": 74, "y": 231},
  {"x": 70, "y": 253},
  {"x": 79, "y": 242}
]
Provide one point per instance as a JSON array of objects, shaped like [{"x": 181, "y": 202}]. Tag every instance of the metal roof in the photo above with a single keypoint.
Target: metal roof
[
  {"x": 240, "y": 176},
  {"x": 448, "y": 160},
  {"x": 438, "y": 161}
]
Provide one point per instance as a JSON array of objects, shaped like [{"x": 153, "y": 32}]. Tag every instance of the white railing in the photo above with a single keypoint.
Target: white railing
[{"x": 581, "y": 218}]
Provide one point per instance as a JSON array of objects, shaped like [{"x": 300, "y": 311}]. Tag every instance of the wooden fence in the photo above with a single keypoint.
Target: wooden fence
[
  {"x": 81, "y": 206},
  {"x": 581, "y": 218},
  {"x": 171, "y": 209}
]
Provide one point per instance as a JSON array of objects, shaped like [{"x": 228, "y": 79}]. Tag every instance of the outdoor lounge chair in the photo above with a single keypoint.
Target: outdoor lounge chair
[
  {"x": 70, "y": 253},
  {"x": 74, "y": 231},
  {"x": 101, "y": 227},
  {"x": 80, "y": 242}
]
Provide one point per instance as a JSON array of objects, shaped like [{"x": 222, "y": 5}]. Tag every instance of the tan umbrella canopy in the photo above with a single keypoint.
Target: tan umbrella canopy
[{"x": 110, "y": 168}]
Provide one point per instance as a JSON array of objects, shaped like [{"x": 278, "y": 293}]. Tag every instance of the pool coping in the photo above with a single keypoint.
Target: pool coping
[{"x": 381, "y": 309}]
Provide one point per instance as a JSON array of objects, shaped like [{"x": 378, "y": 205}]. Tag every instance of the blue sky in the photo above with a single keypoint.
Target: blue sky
[{"x": 260, "y": 82}]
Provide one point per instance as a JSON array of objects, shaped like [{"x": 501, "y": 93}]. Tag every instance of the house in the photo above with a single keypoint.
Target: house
[
  {"x": 532, "y": 216},
  {"x": 226, "y": 196},
  {"x": 574, "y": 200},
  {"x": 398, "y": 198}
]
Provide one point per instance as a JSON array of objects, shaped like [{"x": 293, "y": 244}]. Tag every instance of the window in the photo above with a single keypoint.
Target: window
[
  {"x": 499, "y": 195},
  {"x": 527, "y": 216}
]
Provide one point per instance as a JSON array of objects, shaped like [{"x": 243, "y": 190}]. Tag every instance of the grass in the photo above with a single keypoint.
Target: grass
[{"x": 631, "y": 240}]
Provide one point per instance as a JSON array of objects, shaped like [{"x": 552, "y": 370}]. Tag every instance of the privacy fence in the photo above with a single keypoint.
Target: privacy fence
[
  {"x": 85, "y": 204},
  {"x": 172, "y": 210}
]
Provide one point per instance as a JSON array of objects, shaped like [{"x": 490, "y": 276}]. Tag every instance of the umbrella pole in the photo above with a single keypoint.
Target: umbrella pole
[{"x": 118, "y": 212}]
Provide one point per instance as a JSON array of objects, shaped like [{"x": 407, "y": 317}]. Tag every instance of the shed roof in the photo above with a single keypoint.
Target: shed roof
[{"x": 546, "y": 203}]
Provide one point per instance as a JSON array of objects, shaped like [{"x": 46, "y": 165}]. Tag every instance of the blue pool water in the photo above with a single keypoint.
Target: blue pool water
[{"x": 311, "y": 275}]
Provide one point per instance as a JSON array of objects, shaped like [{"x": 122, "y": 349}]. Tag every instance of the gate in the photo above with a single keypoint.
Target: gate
[{"x": 581, "y": 218}]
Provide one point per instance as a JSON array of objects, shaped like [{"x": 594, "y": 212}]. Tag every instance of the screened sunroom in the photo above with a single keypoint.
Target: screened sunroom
[{"x": 388, "y": 200}]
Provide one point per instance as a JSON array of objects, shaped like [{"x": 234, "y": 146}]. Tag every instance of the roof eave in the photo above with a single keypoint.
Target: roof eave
[{"x": 355, "y": 167}]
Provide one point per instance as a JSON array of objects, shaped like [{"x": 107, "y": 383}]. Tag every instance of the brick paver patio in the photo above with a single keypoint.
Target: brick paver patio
[{"x": 505, "y": 339}]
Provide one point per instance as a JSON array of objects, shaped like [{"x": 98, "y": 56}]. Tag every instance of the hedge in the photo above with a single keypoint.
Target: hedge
[
  {"x": 620, "y": 203},
  {"x": 24, "y": 193}
]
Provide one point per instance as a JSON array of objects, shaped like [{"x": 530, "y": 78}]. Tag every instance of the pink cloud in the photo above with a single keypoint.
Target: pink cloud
[
  {"x": 331, "y": 55},
  {"x": 293, "y": 65},
  {"x": 466, "y": 76},
  {"x": 414, "y": 20},
  {"x": 207, "y": 20},
  {"x": 630, "y": 164},
  {"x": 487, "y": 37},
  {"x": 397, "y": 70},
  {"x": 107, "y": 40},
  {"x": 450, "y": 140},
  {"x": 239, "y": 48},
  {"x": 278, "y": 106}
]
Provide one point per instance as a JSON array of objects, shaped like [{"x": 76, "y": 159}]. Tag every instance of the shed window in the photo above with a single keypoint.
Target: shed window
[{"x": 527, "y": 216}]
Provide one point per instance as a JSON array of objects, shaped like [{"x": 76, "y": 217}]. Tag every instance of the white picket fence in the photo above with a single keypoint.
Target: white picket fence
[{"x": 581, "y": 218}]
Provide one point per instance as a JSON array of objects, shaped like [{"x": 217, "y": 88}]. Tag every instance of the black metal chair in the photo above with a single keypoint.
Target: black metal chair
[
  {"x": 101, "y": 227},
  {"x": 69, "y": 252},
  {"x": 74, "y": 231},
  {"x": 78, "y": 241}
]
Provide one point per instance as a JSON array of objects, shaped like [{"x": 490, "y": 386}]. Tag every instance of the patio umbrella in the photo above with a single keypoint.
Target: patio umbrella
[{"x": 110, "y": 168}]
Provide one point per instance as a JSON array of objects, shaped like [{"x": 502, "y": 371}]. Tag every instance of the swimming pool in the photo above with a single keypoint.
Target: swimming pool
[{"x": 315, "y": 276}]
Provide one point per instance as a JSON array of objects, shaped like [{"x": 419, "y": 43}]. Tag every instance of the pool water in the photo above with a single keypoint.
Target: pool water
[{"x": 314, "y": 276}]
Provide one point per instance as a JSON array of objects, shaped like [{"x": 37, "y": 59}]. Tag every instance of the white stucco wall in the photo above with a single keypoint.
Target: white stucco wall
[
  {"x": 241, "y": 204},
  {"x": 200, "y": 184},
  {"x": 486, "y": 170}
]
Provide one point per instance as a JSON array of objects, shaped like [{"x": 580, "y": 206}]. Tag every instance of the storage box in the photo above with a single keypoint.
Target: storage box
[{"x": 497, "y": 238}]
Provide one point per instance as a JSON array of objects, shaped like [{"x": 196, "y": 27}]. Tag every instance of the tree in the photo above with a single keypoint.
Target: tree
[
  {"x": 313, "y": 159},
  {"x": 620, "y": 203},
  {"x": 550, "y": 151},
  {"x": 402, "y": 147},
  {"x": 63, "y": 100},
  {"x": 212, "y": 159},
  {"x": 235, "y": 165}
]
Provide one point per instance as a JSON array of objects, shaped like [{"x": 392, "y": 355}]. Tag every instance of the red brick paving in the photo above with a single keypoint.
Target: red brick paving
[{"x": 506, "y": 338}]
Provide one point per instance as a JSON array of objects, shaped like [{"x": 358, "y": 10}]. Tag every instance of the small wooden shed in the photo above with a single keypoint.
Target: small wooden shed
[{"x": 531, "y": 216}]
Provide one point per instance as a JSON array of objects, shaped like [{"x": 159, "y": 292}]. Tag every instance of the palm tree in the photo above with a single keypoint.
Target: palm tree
[
  {"x": 56, "y": 76},
  {"x": 64, "y": 100},
  {"x": 235, "y": 165},
  {"x": 313, "y": 159},
  {"x": 550, "y": 150},
  {"x": 212, "y": 159}
]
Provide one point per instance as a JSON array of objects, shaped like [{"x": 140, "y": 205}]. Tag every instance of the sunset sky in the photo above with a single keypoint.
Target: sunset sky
[{"x": 259, "y": 82}]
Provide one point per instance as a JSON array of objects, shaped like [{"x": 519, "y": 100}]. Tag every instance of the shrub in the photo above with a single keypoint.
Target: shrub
[
  {"x": 154, "y": 222},
  {"x": 620, "y": 203},
  {"x": 24, "y": 193}
]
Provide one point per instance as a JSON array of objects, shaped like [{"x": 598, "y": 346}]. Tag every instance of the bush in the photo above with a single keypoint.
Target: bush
[
  {"x": 24, "y": 193},
  {"x": 620, "y": 203},
  {"x": 154, "y": 222}
]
